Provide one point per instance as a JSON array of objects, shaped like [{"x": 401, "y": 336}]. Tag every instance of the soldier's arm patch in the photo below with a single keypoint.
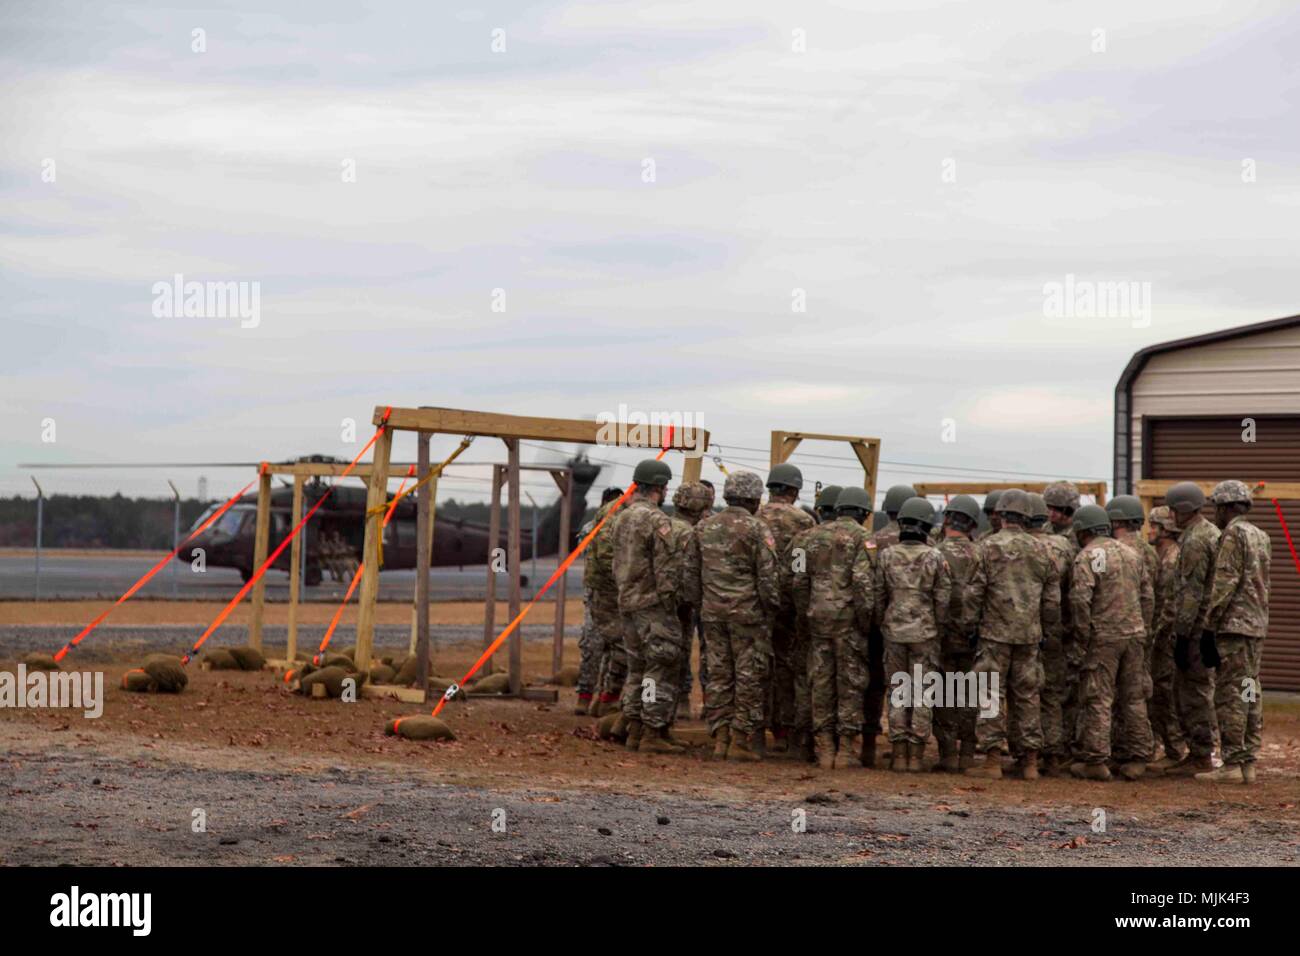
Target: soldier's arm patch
[
  {"x": 870, "y": 545},
  {"x": 664, "y": 530}
]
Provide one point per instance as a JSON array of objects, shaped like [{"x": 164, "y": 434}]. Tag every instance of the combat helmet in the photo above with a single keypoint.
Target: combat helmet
[
  {"x": 785, "y": 475},
  {"x": 1013, "y": 501},
  {"x": 1163, "y": 518},
  {"x": 853, "y": 497},
  {"x": 742, "y": 486},
  {"x": 1185, "y": 496},
  {"x": 964, "y": 505},
  {"x": 1062, "y": 495},
  {"x": 826, "y": 498},
  {"x": 652, "y": 473},
  {"x": 1125, "y": 508},
  {"x": 1037, "y": 509},
  {"x": 1231, "y": 492},
  {"x": 917, "y": 511},
  {"x": 895, "y": 497},
  {"x": 1091, "y": 518},
  {"x": 991, "y": 502},
  {"x": 693, "y": 496}
]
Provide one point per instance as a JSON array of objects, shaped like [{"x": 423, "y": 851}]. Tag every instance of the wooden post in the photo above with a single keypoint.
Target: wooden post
[
  {"x": 260, "y": 545},
  {"x": 692, "y": 467},
  {"x": 376, "y": 498},
  {"x": 565, "y": 481},
  {"x": 513, "y": 561},
  {"x": 494, "y": 536},
  {"x": 296, "y": 557},
  {"x": 423, "y": 542}
]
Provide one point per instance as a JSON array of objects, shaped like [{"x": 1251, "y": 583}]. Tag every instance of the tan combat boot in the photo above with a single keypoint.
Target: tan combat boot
[
  {"x": 758, "y": 743},
  {"x": 1228, "y": 773},
  {"x": 826, "y": 751},
  {"x": 915, "y": 757},
  {"x": 1029, "y": 765},
  {"x": 619, "y": 730},
  {"x": 634, "y": 731},
  {"x": 742, "y": 749},
  {"x": 1090, "y": 771},
  {"x": 1133, "y": 769},
  {"x": 1190, "y": 766},
  {"x": 654, "y": 740},
  {"x": 990, "y": 769},
  {"x": 1055, "y": 766},
  {"x": 849, "y": 753},
  {"x": 721, "y": 740},
  {"x": 947, "y": 758},
  {"x": 869, "y": 751},
  {"x": 1248, "y": 772},
  {"x": 898, "y": 757},
  {"x": 966, "y": 759},
  {"x": 1166, "y": 763},
  {"x": 801, "y": 747}
]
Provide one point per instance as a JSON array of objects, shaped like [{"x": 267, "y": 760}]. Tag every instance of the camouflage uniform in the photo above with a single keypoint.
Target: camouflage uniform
[
  {"x": 1166, "y": 728},
  {"x": 1021, "y": 601},
  {"x": 837, "y": 658},
  {"x": 731, "y": 573},
  {"x": 1194, "y": 687},
  {"x": 1061, "y": 656},
  {"x": 687, "y": 613},
  {"x": 606, "y": 621},
  {"x": 913, "y": 589},
  {"x": 955, "y": 726},
  {"x": 789, "y": 676},
  {"x": 648, "y": 569},
  {"x": 1111, "y": 598},
  {"x": 1150, "y": 568},
  {"x": 877, "y": 685},
  {"x": 1238, "y": 614}
]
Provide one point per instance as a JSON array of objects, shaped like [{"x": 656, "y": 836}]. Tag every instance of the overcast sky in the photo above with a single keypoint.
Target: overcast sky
[{"x": 921, "y": 170}]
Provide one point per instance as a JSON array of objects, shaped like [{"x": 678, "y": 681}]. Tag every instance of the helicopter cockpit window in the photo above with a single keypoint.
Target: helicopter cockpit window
[
  {"x": 203, "y": 517},
  {"x": 230, "y": 522}
]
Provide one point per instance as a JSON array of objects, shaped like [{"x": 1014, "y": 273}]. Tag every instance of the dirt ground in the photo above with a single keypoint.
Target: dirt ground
[{"x": 287, "y": 780}]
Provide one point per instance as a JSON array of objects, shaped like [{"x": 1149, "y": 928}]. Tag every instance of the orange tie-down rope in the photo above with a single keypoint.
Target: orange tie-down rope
[
  {"x": 215, "y": 516},
  {"x": 1286, "y": 531},
  {"x": 555, "y": 576},
  {"x": 257, "y": 575}
]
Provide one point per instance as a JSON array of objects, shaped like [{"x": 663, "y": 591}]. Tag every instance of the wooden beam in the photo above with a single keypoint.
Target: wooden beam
[
  {"x": 1156, "y": 488},
  {"x": 866, "y": 449},
  {"x": 1095, "y": 488},
  {"x": 261, "y": 542},
  {"x": 513, "y": 559},
  {"x": 423, "y": 549},
  {"x": 295, "y": 568},
  {"x": 376, "y": 499},
  {"x": 494, "y": 537}
]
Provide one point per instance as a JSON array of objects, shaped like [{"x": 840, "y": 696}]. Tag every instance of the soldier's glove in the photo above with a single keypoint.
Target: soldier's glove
[
  {"x": 1183, "y": 652},
  {"x": 1209, "y": 650}
]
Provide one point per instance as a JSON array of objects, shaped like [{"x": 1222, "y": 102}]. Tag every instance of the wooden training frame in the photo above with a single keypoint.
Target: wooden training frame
[
  {"x": 1148, "y": 489},
  {"x": 1095, "y": 488},
  {"x": 867, "y": 450},
  {"x": 511, "y": 429}
]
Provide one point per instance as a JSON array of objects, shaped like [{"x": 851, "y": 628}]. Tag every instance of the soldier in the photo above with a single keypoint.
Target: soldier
[
  {"x": 1110, "y": 598},
  {"x": 1061, "y": 672},
  {"x": 606, "y": 621},
  {"x": 826, "y": 499},
  {"x": 789, "y": 647},
  {"x": 1051, "y": 653},
  {"x": 591, "y": 645},
  {"x": 837, "y": 657},
  {"x": 731, "y": 574},
  {"x": 691, "y": 502},
  {"x": 1127, "y": 517},
  {"x": 1165, "y": 727},
  {"x": 1193, "y": 682},
  {"x": 1020, "y": 603},
  {"x": 913, "y": 590},
  {"x": 954, "y": 727},
  {"x": 648, "y": 570},
  {"x": 1235, "y": 626},
  {"x": 991, "y": 512}
]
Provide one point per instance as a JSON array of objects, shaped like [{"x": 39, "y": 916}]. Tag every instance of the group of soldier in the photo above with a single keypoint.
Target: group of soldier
[{"x": 1094, "y": 646}]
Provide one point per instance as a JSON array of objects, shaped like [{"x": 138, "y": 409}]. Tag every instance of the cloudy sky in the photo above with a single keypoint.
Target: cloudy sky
[{"x": 649, "y": 184}]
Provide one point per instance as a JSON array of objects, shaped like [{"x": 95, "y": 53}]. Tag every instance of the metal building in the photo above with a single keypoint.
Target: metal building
[{"x": 1225, "y": 405}]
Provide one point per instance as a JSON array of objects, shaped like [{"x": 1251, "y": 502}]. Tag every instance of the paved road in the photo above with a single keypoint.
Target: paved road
[{"x": 109, "y": 575}]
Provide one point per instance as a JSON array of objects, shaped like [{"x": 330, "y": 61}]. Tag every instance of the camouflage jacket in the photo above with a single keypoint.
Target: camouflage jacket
[
  {"x": 1239, "y": 597},
  {"x": 1196, "y": 548},
  {"x": 1166, "y": 593},
  {"x": 647, "y": 566},
  {"x": 864, "y": 584},
  {"x": 967, "y": 574},
  {"x": 823, "y": 573},
  {"x": 1062, "y": 548},
  {"x": 886, "y": 537},
  {"x": 1150, "y": 570},
  {"x": 681, "y": 534},
  {"x": 1110, "y": 593},
  {"x": 1022, "y": 593},
  {"x": 913, "y": 590},
  {"x": 785, "y": 521},
  {"x": 731, "y": 568},
  {"x": 598, "y": 572}
]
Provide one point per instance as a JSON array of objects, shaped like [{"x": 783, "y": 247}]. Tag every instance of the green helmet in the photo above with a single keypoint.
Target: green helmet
[
  {"x": 965, "y": 505},
  {"x": 895, "y": 497},
  {"x": 1185, "y": 496},
  {"x": 917, "y": 510},
  {"x": 785, "y": 475},
  {"x": 1061, "y": 495},
  {"x": 652, "y": 473},
  {"x": 827, "y": 496},
  {"x": 1012, "y": 501},
  {"x": 1231, "y": 492},
  {"x": 742, "y": 486},
  {"x": 991, "y": 502},
  {"x": 693, "y": 496},
  {"x": 1091, "y": 518},
  {"x": 1125, "y": 508},
  {"x": 852, "y": 497},
  {"x": 1037, "y": 507}
]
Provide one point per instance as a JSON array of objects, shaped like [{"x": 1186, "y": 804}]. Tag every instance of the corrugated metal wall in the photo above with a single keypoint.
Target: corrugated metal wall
[{"x": 1211, "y": 449}]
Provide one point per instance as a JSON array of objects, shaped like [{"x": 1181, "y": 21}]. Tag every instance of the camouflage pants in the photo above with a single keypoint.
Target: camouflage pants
[
  {"x": 1020, "y": 675},
  {"x": 1113, "y": 671},
  {"x": 1051, "y": 698},
  {"x": 1074, "y": 654},
  {"x": 690, "y": 628},
  {"x": 1121, "y": 738},
  {"x": 877, "y": 687},
  {"x": 1194, "y": 691},
  {"x": 1238, "y": 698},
  {"x": 910, "y": 720},
  {"x": 781, "y": 686},
  {"x": 608, "y": 625},
  {"x": 803, "y": 719},
  {"x": 589, "y": 650},
  {"x": 837, "y": 678},
  {"x": 1163, "y": 706},
  {"x": 653, "y": 637},
  {"x": 955, "y": 725},
  {"x": 739, "y": 664}
]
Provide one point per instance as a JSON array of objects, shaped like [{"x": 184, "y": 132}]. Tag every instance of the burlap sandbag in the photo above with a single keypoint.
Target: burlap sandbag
[
  {"x": 492, "y": 684},
  {"x": 567, "y": 677},
  {"x": 137, "y": 681},
  {"x": 612, "y": 727},
  {"x": 167, "y": 673},
  {"x": 220, "y": 659},
  {"x": 338, "y": 660},
  {"x": 419, "y": 727},
  {"x": 332, "y": 678},
  {"x": 40, "y": 662},
  {"x": 382, "y": 674},
  {"x": 248, "y": 658},
  {"x": 350, "y": 652},
  {"x": 407, "y": 671}
]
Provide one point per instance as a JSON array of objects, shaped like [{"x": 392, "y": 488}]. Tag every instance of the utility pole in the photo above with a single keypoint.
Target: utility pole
[
  {"x": 176, "y": 535},
  {"x": 40, "y": 519}
]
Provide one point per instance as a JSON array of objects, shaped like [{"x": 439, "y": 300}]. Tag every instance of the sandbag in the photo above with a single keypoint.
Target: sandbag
[
  {"x": 350, "y": 652},
  {"x": 408, "y": 670},
  {"x": 382, "y": 674},
  {"x": 492, "y": 684},
  {"x": 40, "y": 662},
  {"x": 419, "y": 727},
  {"x": 221, "y": 659},
  {"x": 338, "y": 660},
  {"x": 567, "y": 677},
  {"x": 167, "y": 673},
  {"x": 612, "y": 727},
  {"x": 248, "y": 658},
  {"x": 332, "y": 678},
  {"x": 137, "y": 681}
]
